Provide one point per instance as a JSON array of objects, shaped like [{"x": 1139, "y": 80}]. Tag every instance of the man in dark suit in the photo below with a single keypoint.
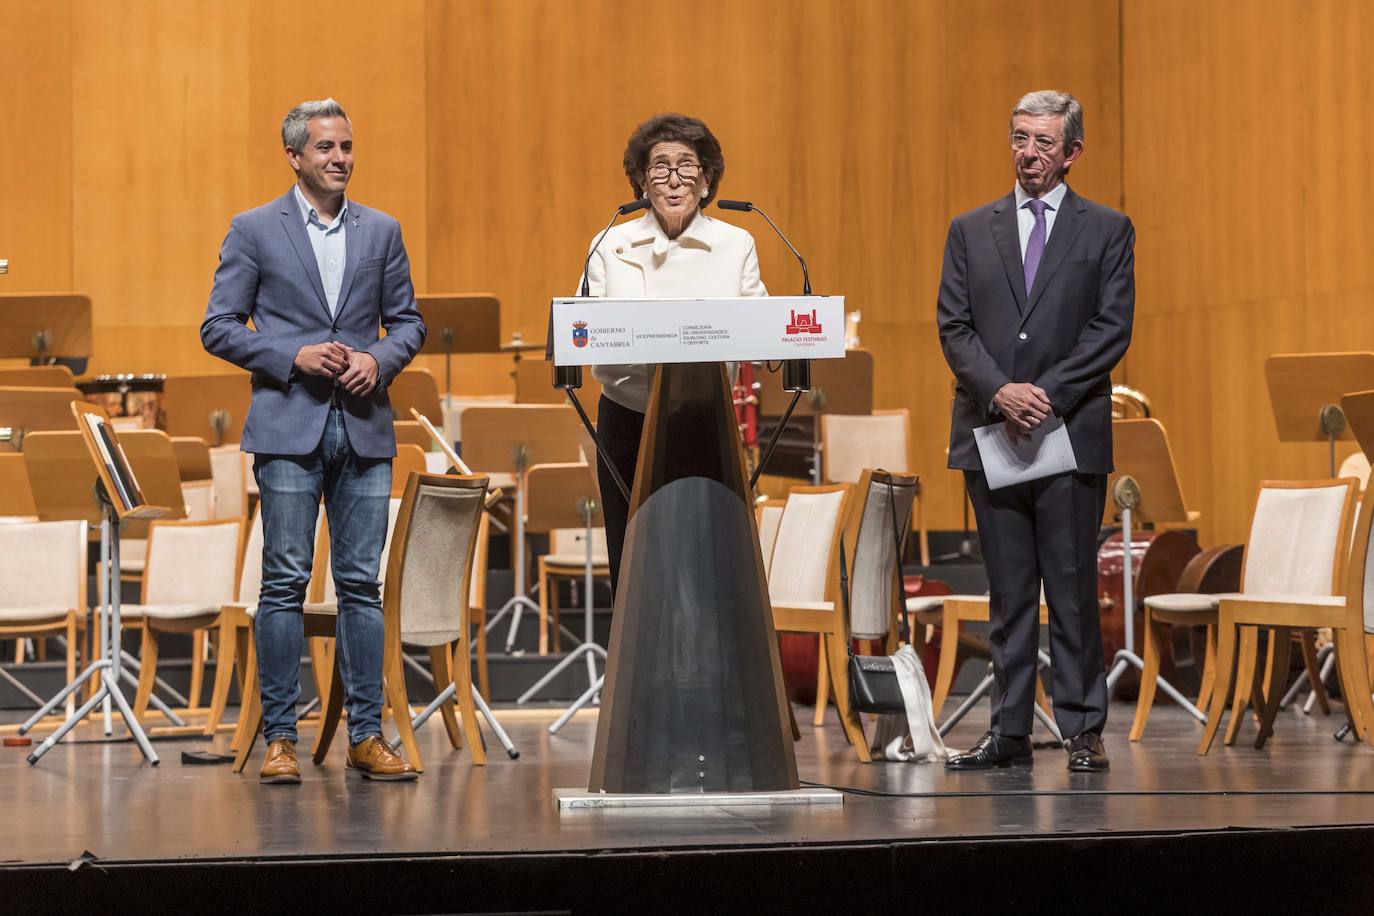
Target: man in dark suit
[
  {"x": 318, "y": 274},
  {"x": 1036, "y": 301}
]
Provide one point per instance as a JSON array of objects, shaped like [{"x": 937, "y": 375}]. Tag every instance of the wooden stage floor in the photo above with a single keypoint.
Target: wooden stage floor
[{"x": 99, "y": 798}]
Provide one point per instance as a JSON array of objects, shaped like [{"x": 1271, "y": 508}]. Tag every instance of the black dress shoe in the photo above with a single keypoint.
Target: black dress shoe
[
  {"x": 992, "y": 751},
  {"x": 1086, "y": 753}
]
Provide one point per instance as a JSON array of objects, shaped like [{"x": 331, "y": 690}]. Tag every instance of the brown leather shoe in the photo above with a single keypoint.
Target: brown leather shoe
[
  {"x": 376, "y": 759},
  {"x": 281, "y": 766}
]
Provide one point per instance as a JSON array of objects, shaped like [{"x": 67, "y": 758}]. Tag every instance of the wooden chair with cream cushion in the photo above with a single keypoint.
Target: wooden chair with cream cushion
[
  {"x": 554, "y": 493},
  {"x": 321, "y": 615},
  {"x": 955, "y": 610},
  {"x": 408, "y": 458},
  {"x": 873, "y": 559},
  {"x": 43, "y": 571},
  {"x": 1294, "y": 577},
  {"x": 415, "y": 388},
  {"x": 567, "y": 560},
  {"x": 477, "y": 603},
  {"x": 424, "y": 603},
  {"x": 237, "y": 645},
  {"x": 804, "y": 581},
  {"x": 852, "y": 443},
  {"x": 769, "y": 517},
  {"x": 230, "y": 470},
  {"x": 192, "y": 571}
]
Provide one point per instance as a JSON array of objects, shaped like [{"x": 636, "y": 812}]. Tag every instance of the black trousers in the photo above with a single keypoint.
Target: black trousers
[
  {"x": 619, "y": 429},
  {"x": 1043, "y": 531}
]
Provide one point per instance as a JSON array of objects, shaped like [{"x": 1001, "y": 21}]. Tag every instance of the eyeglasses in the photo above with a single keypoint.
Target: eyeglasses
[
  {"x": 686, "y": 172},
  {"x": 1020, "y": 141}
]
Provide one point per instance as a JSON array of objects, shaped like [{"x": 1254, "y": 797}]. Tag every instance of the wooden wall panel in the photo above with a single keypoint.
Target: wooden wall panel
[
  {"x": 1246, "y": 172},
  {"x": 160, "y": 114},
  {"x": 36, "y": 152}
]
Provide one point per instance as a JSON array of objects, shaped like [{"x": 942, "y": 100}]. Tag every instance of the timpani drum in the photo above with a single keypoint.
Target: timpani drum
[{"x": 135, "y": 398}]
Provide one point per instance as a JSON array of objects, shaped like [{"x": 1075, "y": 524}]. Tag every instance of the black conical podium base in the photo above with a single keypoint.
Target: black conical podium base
[{"x": 693, "y": 700}]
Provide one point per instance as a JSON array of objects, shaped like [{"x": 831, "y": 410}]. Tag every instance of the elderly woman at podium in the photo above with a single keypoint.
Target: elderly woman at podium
[{"x": 675, "y": 250}]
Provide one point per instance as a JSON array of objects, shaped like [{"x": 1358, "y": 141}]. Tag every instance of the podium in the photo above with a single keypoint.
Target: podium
[
  {"x": 1305, "y": 391},
  {"x": 693, "y": 701}
]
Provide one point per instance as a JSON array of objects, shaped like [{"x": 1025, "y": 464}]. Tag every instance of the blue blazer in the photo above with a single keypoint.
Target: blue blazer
[{"x": 267, "y": 272}]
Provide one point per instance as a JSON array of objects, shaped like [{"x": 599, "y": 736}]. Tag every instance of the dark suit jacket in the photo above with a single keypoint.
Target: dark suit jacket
[
  {"x": 1065, "y": 336},
  {"x": 267, "y": 272}
]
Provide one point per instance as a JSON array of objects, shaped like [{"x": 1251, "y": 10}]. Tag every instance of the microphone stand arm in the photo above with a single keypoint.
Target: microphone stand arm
[
  {"x": 600, "y": 447},
  {"x": 773, "y": 439}
]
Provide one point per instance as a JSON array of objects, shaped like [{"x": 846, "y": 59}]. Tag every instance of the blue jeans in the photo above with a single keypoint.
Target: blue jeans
[{"x": 356, "y": 492}]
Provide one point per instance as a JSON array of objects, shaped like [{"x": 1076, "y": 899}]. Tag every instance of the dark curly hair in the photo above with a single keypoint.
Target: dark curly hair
[{"x": 674, "y": 128}]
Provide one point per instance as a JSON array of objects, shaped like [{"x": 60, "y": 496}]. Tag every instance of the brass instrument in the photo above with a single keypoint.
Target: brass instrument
[{"x": 1129, "y": 404}]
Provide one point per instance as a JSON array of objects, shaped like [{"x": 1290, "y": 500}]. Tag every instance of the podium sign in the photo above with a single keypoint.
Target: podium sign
[{"x": 592, "y": 331}]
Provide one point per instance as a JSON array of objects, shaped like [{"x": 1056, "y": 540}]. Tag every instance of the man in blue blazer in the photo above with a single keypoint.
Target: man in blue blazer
[
  {"x": 1036, "y": 303},
  {"x": 317, "y": 274}
]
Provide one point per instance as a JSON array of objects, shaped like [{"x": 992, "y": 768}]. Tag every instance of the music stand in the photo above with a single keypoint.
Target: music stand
[
  {"x": 565, "y": 496},
  {"x": 1305, "y": 390},
  {"x": 212, "y": 407},
  {"x": 121, "y": 498},
  {"x": 26, "y": 410},
  {"x": 1145, "y": 488},
  {"x": 510, "y": 440},
  {"x": 838, "y": 386},
  {"x": 460, "y": 323},
  {"x": 45, "y": 325}
]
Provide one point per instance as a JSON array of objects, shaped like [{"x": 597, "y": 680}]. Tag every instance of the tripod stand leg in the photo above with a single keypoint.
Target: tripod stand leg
[
  {"x": 496, "y": 728},
  {"x": 580, "y": 702},
  {"x": 51, "y": 741},
  {"x": 92, "y": 671},
  {"x": 129, "y": 721}
]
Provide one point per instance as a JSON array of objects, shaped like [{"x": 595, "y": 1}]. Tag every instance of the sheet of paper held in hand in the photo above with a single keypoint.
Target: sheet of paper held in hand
[{"x": 1046, "y": 452}]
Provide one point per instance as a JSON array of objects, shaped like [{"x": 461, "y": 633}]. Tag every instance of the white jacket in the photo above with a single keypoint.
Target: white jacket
[{"x": 636, "y": 259}]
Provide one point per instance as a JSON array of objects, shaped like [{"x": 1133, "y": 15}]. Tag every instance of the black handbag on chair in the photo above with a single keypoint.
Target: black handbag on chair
[{"x": 873, "y": 685}]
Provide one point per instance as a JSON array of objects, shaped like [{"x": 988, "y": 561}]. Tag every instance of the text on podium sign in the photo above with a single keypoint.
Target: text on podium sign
[{"x": 591, "y": 332}]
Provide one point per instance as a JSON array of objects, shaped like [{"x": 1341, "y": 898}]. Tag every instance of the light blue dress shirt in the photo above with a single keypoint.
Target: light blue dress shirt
[{"x": 329, "y": 243}]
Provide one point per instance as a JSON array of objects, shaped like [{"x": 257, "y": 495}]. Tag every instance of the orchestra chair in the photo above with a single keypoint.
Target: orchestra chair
[
  {"x": 239, "y": 617},
  {"x": 192, "y": 571},
  {"x": 212, "y": 407},
  {"x": 874, "y": 568},
  {"x": 415, "y": 388},
  {"x": 804, "y": 584},
  {"x": 1194, "y": 604},
  {"x": 235, "y": 623},
  {"x": 16, "y": 494},
  {"x": 43, "y": 571},
  {"x": 477, "y": 603},
  {"x": 424, "y": 603},
  {"x": 1356, "y": 465},
  {"x": 197, "y": 483},
  {"x": 410, "y": 432},
  {"x": 230, "y": 473},
  {"x": 39, "y": 377},
  {"x": 153, "y": 458},
  {"x": 768, "y": 517},
  {"x": 1294, "y": 577},
  {"x": 321, "y": 615},
  {"x": 408, "y": 458},
  {"x": 948, "y": 612},
  {"x": 553, "y": 493},
  {"x": 851, "y": 442},
  {"x": 534, "y": 385}
]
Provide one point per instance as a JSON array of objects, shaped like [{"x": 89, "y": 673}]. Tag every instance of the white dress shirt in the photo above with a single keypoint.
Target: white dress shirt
[
  {"x": 329, "y": 244},
  {"x": 1025, "y": 219},
  {"x": 637, "y": 260}
]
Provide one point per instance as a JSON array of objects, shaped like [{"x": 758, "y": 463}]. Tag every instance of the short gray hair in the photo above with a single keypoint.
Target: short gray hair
[
  {"x": 295, "y": 127},
  {"x": 1051, "y": 102}
]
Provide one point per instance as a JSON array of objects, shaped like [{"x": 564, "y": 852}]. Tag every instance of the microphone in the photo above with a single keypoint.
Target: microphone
[
  {"x": 566, "y": 377},
  {"x": 745, "y": 206},
  {"x": 622, "y": 210}
]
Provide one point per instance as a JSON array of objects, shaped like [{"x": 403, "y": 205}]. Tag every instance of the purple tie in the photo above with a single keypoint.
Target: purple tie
[{"x": 1035, "y": 245}]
